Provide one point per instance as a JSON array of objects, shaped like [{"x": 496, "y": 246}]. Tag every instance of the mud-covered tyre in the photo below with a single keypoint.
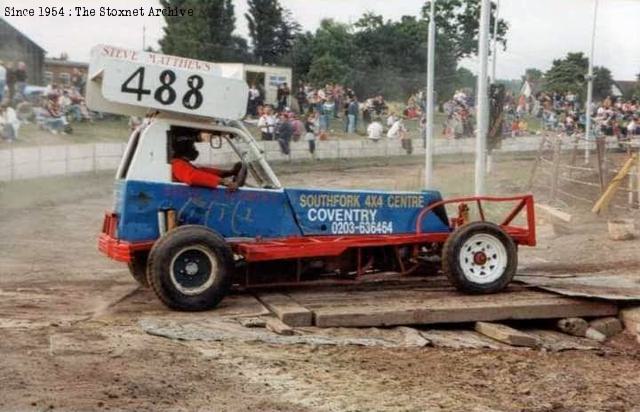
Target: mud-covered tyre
[
  {"x": 138, "y": 268},
  {"x": 190, "y": 268},
  {"x": 480, "y": 258}
]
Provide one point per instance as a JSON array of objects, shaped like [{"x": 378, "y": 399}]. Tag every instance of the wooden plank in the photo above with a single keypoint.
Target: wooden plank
[
  {"x": 275, "y": 325},
  {"x": 506, "y": 334},
  {"x": 461, "y": 308},
  {"x": 287, "y": 310},
  {"x": 339, "y": 298},
  {"x": 604, "y": 200}
]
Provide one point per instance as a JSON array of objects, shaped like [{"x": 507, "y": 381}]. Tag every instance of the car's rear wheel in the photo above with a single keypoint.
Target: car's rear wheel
[
  {"x": 138, "y": 268},
  {"x": 190, "y": 268},
  {"x": 480, "y": 258}
]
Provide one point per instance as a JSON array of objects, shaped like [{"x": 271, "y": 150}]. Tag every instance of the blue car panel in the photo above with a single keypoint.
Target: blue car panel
[
  {"x": 272, "y": 213},
  {"x": 244, "y": 213}
]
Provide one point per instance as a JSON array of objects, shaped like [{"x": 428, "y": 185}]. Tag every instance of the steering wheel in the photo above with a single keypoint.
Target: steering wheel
[{"x": 241, "y": 177}]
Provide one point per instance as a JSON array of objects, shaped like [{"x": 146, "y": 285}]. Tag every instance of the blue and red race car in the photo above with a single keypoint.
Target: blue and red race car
[{"x": 192, "y": 244}]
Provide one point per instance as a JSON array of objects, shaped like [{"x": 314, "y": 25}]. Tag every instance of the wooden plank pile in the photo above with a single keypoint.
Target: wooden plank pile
[{"x": 425, "y": 306}]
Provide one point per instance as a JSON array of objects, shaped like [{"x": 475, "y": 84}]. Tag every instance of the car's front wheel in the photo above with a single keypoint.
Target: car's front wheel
[
  {"x": 190, "y": 268},
  {"x": 480, "y": 258}
]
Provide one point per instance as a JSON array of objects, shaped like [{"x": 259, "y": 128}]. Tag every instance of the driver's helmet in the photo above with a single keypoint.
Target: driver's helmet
[{"x": 183, "y": 143}]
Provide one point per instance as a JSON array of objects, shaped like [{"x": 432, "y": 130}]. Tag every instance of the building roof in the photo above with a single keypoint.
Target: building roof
[
  {"x": 24, "y": 36},
  {"x": 626, "y": 86},
  {"x": 70, "y": 63}
]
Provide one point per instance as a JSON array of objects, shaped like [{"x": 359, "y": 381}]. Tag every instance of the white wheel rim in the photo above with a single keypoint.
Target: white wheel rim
[
  {"x": 191, "y": 268},
  {"x": 483, "y": 258}
]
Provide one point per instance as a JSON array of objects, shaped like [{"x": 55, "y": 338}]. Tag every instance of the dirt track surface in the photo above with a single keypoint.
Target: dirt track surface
[{"x": 70, "y": 338}]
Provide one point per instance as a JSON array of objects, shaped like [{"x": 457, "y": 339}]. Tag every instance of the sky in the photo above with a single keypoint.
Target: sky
[{"x": 540, "y": 30}]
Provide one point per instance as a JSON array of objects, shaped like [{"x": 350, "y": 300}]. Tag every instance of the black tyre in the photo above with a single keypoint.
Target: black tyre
[
  {"x": 480, "y": 258},
  {"x": 190, "y": 268},
  {"x": 138, "y": 268}
]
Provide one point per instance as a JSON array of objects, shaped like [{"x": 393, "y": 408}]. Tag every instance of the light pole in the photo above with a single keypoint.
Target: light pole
[
  {"x": 494, "y": 59},
  {"x": 428, "y": 152},
  {"x": 482, "y": 121},
  {"x": 588, "y": 126},
  {"x": 494, "y": 52}
]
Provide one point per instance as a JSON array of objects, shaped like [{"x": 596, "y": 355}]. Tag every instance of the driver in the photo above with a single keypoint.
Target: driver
[{"x": 185, "y": 152}]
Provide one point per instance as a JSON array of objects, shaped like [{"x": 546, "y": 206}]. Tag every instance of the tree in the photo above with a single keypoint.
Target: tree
[
  {"x": 636, "y": 89},
  {"x": 391, "y": 57},
  {"x": 465, "y": 79},
  {"x": 272, "y": 30},
  {"x": 208, "y": 35},
  {"x": 602, "y": 82},
  {"x": 329, "y": 69},
  {"x": 567, "y": 75},
  {"x": 458, "y": 21},
  {"x": 532, "y": 75},
  {"x": 333, "y": 53}
]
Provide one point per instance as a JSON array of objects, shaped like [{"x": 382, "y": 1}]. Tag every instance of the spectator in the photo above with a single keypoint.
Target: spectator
[
  {"x": 301, "y": 97},
  {"x": 353, "y": 109},
  {"x": 397, "y": 130},
  {"x": 267, "y": 123},
  {"x": 3, "y": 80},
  {"x": 55, "y": 121},
  {"x": 11, "y": 81},
  {"x": 254, "y": 99},
  {"x": 375, "y": 130},
  {"x": 283, "y": 96},
  {"x": 9, "y": 123},
  {"x": 391, "y": 119},
  {"x": 633, "y": 128},
  {"x": 326, "y": 112},
  {"x": 298, "y": 127},
  {"x": 21, "y": 79},
  {"x": 311, "y": 128},
  {"x": 379, "y": 105},
  {"x": 284, "y": 133},
  {"x": 78, "y": 81}
]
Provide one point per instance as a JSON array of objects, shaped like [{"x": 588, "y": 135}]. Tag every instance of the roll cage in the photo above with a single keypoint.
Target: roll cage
[{"x": 154, "y": 135}]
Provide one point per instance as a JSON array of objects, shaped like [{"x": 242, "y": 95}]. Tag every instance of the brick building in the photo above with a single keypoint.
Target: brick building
[
  {"x": 15, "y": 47},
  {"x": 60, "y": 71}
]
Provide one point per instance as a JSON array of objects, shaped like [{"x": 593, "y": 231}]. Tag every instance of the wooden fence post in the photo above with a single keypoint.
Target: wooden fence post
[
  {"x": 536, "y": 163},
  {"x": 574, "y": 155}
]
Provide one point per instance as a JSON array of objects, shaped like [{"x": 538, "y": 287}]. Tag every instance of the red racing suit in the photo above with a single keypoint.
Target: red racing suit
[{"x": 185, "y": 172}]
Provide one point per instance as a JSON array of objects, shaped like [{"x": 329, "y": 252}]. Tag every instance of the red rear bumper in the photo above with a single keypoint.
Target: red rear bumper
[{"x": 116, "y": 249}]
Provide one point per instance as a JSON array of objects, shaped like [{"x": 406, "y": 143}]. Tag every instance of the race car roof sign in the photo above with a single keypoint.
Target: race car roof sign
[{"x": 133, "y": 82}]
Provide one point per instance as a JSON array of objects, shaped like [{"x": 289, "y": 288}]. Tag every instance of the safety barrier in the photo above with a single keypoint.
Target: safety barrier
[{"x": 59, "y": 160}]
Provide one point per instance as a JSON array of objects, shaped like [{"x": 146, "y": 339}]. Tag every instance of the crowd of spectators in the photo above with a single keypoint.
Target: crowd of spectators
[
  {"x": 311, "y": 113},
  {"x": 53, "y": 108},
  {"x": 612, "y": 116},
  {"x": 319, "y": 110}
]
